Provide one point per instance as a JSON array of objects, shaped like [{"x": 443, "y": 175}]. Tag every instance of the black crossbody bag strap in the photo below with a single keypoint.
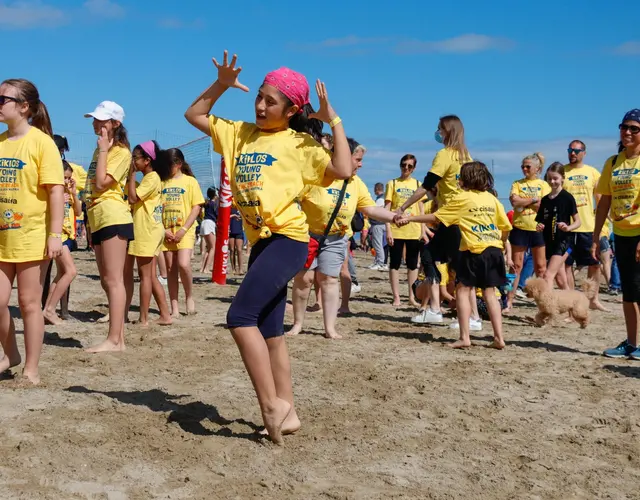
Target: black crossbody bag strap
[{"x": 335, "y": 212}]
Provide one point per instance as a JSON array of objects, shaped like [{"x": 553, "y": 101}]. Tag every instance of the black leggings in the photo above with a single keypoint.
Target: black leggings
[{"x": 413, "y": 251}]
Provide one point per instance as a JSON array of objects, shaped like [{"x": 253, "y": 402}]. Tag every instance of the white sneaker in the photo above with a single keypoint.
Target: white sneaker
[
  {"x": 163, "y": 281},
  {"x": 427, "y": 316},
  {"x": 520, "y": 294},
  {"x": 475, "y": 325},
  {"x": 374, "y": 267},
  {"x": 384, "y": 268},
  {"x": 355, "y": 288}
]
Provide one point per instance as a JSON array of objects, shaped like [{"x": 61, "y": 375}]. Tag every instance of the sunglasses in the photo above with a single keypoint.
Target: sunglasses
[
  {"x": 525, "y": 167},
  {"x": 407, "y": 165},
  {"x": 634, "y": 129},
  {"x": 575, "y": 150},
  {"x": 5, "y": 99}
]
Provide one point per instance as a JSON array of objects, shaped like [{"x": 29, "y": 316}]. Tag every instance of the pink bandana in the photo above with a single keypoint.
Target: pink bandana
[
  {"x": 292, "y": 84},
  {"x": 149, "y": 148}
]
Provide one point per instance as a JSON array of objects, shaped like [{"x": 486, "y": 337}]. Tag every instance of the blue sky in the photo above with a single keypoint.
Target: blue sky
[{"x": 523, "y": 78}]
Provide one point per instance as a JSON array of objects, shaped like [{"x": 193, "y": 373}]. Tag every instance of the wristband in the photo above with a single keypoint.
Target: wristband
[
  {"x": 335, "y": 121},
  {"x": 104, "y": 151},
  {"x": 55, "y": 235}
]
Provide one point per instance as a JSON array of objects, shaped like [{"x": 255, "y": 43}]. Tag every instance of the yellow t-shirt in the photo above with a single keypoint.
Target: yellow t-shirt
[
  {"x": 69, "y": 222},
  {"x": 397, "y": 192},
  {"x": 447, "y": 165},
  {"x": 525, "y": 188},
  {"x": 27, "y": 166},
  {"x": 179, "y": 196},
  {"x": 581, "y": 182},
  {"x": 319, "y": 203},
  {"x": 108, "y": 207},
  {"x": 267, "y": 172},
  {"x": 622, "y": 183},
  {"x": 481, "y": 218},
  {"x": 147, "y": 218},
  {"x": 80, "y": 176},
  {"x": 430, "y": 207}
]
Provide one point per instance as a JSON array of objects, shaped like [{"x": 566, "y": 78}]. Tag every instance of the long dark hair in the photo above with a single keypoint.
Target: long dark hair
[
  {"x": 174, "y": 156},
  {"x": 300, "y": 122},
  {"x": 38, "y": 114},
  {"x": 160, "y": 165},
  {"x": 120, "y": 136}
]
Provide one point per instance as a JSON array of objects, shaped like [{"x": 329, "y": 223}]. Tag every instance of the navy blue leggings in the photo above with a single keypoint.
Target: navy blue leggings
[{"x": 262, "y": 296}]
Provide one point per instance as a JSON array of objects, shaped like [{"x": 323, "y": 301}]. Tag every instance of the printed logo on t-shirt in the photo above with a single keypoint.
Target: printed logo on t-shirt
[
  {"x": 248, "y": 173},
  {"x": 9, "y": 187}
]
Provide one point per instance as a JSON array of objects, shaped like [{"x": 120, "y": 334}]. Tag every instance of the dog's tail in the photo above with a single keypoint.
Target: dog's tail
[{"x": 590, "y": 288}]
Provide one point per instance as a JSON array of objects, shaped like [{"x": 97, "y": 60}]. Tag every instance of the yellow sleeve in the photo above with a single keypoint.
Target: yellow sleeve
[
  {"x": 223, "y": 132},
  {"x": 364, "y": 197},
  {"x": 149, "y": 185},
  {"x": 196, "y": 193},
  {"x": 604, "y": 183},
  {"x": 440, "y": 165},
  {"x": 501, "y": 218},
  {"x": 316, "y": 159},
  {"x": 514, "y": 189},
  {"x": 596, "y": 178},
  {"x": 546, "y": 189},
  {"x": 450, "y": 214},
  {"x": 388, "y": 193},
  {"x": 118, "y": 163},
  {"x": 50, "y": 169}
]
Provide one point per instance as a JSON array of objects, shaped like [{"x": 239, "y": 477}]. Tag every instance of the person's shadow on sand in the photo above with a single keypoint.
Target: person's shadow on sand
[{"x": 188, "y": 416}]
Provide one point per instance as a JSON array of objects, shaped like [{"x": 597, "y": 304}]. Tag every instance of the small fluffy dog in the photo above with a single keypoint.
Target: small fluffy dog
[{"x": 551, "y": 303}]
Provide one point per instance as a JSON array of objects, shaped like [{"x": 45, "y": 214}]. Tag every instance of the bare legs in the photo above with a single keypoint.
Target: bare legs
[
  {"x": 179, "y": 264},
  {"x": 149, "y": 284},
  {"x": 65, "y": 274},
  {"x": 300, "y": 296},
  {"x": 209, "y": 254}
]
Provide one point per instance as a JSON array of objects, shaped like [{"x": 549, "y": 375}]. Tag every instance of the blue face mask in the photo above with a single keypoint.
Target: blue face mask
[{"x": 438, "y": 137}]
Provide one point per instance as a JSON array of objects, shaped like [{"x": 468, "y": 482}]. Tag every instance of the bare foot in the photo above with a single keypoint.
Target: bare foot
[
  {"x": 497, "y": 344},
  {"x": 10, "y": 361},
  {"x": 274, "y": 419},
  {"x": 164, "y": 321},
  {"x": 396, "y": 303},
  {"x": 142, "y": 324},
  {"x": 51, "y": 317},
  {"x": 291, "y": 424},
  {"x": 175, "y": 315},
  {"x": 460, "y": 344},
  {"x": 344, "y": 310},
  {"x": 106, "y": 346},
  {"x": 332, "y": 335},
  {"x": 191, "y": 307},
  {"x": 314, "y": 308},
  {"x": 595, "y": 304},
  {"x": 507, "y": 309},
  {"x": 33, "y": 378},
  {"x": 415, "y": 304},
  {"x": 295, "y": 330},
  {"x": 64, "y": 315}
]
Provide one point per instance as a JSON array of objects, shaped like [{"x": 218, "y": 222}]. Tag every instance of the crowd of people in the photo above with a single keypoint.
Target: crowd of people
[{"x": 298, "y": 200}]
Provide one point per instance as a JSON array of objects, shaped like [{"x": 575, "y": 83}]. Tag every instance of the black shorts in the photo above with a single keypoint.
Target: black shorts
[
  {"x": 559, "y": 247},
  {"x": 581, "y": 250},
  {"x": 445, "y": 246},
  {"x": 428, "y": 264},
  {"x": 527, "y": 239},
  {"x": 483, "y": 270},
  {"x": 123, "y": 231},
  {"x": 236, "y": 236},
  {"x": 625, "y": 248},
  {"x": 413, "y": 251}
]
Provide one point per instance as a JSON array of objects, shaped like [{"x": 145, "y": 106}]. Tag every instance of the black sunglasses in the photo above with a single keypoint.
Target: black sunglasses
[
  {"x": 575, "y": 150},
  {"x": 407, "y": 165},
  {"x": 525, "y": 166},
  {"x": 634, "y": 129},
  {"x": 5, "y": 99}
]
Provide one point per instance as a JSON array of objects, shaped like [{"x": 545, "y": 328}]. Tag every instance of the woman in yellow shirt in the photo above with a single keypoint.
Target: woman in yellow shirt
[
  {"x": 319, "y": 203},
  {"x": 65, "y": 267},
  {"x": 146, "y": 199},
  {"x": 31, "y": 212},
  {"x": 182, "y": 202},
  {"x": 269, "y": 164},
  {"x": 619, "y": 186},
  {"x": 525, "y": 197},
  {"x": 109, "y": 214}
]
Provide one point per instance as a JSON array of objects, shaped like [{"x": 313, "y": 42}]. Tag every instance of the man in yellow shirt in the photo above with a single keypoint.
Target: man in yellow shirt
[{"x": 581, "y": 181}]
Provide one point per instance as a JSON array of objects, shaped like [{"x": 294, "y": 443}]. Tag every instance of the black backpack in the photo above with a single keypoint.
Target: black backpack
[{"x": 357, "y": 223}]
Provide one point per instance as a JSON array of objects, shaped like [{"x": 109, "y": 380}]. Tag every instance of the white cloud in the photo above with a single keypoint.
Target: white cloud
[
  {"x": 628, "y": 49},
  {"x": 30, "y": 14},
  {"x": 104, "y": 8},
  {"x": 382, "y": 160},
  {"x": 463, "y": 44},
  {"x": 176, "y": 23}
]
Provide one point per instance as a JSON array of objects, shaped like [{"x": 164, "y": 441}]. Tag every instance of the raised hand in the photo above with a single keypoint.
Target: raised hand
[
  {"x": 325, "y": 113},
  {"x": 228, "y": 73},
  {"x": 104, "y": 143}
]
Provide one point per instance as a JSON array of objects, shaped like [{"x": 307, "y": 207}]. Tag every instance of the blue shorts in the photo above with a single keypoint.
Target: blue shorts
[
  {"x": 581, "y": 254},
  {"x": 262, "y": 297},
  {"x": 528, "y": 239},
  {"x": 70, "y": 244},
  {"x": 605, "y": 244}
]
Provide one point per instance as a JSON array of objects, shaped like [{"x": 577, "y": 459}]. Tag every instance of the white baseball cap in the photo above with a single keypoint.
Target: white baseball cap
[{"x": 107, "y": 110}]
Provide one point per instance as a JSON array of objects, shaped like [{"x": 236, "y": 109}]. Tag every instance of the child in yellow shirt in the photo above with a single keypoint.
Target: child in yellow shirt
[
  {"x": 484, "y": 227},
  {"x": 146, "y": 200},
  {"x": 31, "y": 216}
]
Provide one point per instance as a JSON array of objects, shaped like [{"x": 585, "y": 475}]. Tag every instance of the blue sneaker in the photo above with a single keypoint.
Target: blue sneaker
[
  {"x": 622, "y": 350},
  {"x": 635, "y": 354}
]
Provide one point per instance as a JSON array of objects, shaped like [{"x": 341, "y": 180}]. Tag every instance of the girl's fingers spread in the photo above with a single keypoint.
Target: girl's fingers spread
[
  {"x": 234, "y": 59},
  {"x": 225, "y": 59},
  {"x": 215, "y": 62}
]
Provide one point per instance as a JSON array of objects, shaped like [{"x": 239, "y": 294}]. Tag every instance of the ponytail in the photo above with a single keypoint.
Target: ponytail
[
  {"x": 301, "y": 122},
  {"x": 186, "y": 169},
  {"x": 120, "y": 136},
  {"x": 40, "y": 119}
]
